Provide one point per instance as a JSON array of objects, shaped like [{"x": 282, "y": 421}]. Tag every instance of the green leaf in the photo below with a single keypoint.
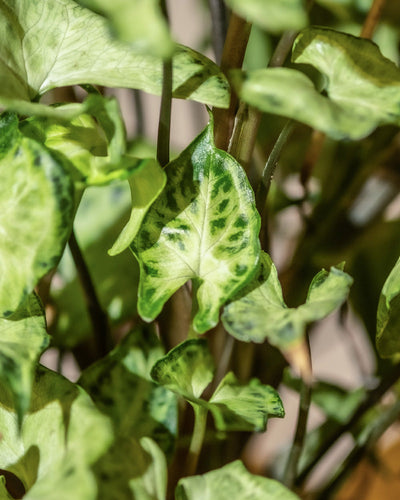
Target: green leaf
[
  {"x": 362, "y": 86},
  {"x": 259, "y": 312},
  {"x": 388, "y": 317},
  {"x": 139, "y": 23},
  {"x": 23, "y": 338},
  {"x": 146, "y": 183},
  {"x": 232, "y": 482},
  {"x": 187, "y": 369},
  {"x": 62, "y": 435},
  {"x": 238, "y": 407},
  {"x": 77, "y": 48},
  {"x": 121, "y": 387},
  {"x": 204, "y": 227},
  {"x": 271, "y": 15},
  {"x": 36, "y": 210}
]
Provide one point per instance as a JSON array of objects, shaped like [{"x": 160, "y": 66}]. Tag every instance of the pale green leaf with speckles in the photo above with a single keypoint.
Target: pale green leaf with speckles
[
  {"x": 388, "y": 317},
  {"x": 260, "y": 313},
  {"x": 121, "y": 386},
  {"x": 239, "y": 407},
  {"x": 203, "y": 227},
  {"x": 61, "y": 436},
  {"x": 271, "y": 15},
  {"x": 362, "y": 86},
  {"x": 187, "y": 369},
  {"x": 36, "y": 210},
  {"x": 140, "y": 23},
  {"x": 23, "y": 338},
  {"x": 55, "y": 43},
  {"x": 232, "y": 482},
  {"x": 146, "y": 183}
]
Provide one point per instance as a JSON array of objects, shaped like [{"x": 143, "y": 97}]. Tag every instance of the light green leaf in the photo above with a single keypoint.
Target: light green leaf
[
  {"x": 187, "y": 369},
  {"x": 62, "y": 435},
  {"x": 36, "y": 210},
  {"x": 362, "y": 86},
  {"x": 232, "y": 482},
  {"x": 388, "y": 317},
  {"x": 23, "y": 338},
  {"x": 146, "y": 183},
  {"x": 141, "y": 23},
  {"x": 121, "y": 387},
  {"x": 238, "y": 407},
  {"x": 204, "y": 227},
  {"x": 259, "y": 313},
  {"x": 271, "y": 15},
  {"x": 77, "y": 48}
]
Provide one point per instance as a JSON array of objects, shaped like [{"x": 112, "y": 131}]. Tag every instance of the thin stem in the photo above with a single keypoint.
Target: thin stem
[
  {"x": 300, "y": 434},
  {"x": 140, "y": 123},
  {"x": 196, "y": 444},
  {"x": 97, "y": 316},
  {"x": 218, "y": 27},
  {"x": 372, "y": 19},
  {"x": 164, "y": 124}
]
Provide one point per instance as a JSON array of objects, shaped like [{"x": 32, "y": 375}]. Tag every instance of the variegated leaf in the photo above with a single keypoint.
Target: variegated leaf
[{"x": 204, "y": 227}]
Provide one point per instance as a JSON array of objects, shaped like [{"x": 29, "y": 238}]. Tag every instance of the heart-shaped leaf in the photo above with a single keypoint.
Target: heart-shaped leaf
[
  {"x": 260, "y": 313},
  {"x": 271, "y": 15},
  {"x": 388, "y": 317},
  {"x": 36, "y": 210},
  {"x": 203, "y": 227},
  {"x": 232, "y": 482},
  {"x": 362, "y": 86},
  {"x": 142, "y": 24},
  {"x": 23, "y": 338},
  {"x": 61, "y": 436},
  {"x": 77, "y": 48}
]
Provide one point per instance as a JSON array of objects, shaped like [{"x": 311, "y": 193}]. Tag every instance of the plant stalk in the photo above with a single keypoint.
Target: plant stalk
[
  {"x": 372, "y": 19},
  {"x": 218, "y": 27},
  {"x": 196, "y": 444}
]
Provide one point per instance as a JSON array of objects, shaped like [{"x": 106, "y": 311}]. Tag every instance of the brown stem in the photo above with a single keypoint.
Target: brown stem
[{"x": 373, "y": 18}]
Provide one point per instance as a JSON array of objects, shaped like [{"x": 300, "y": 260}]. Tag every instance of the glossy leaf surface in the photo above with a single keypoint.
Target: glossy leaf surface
[
  {"x": 388, "y": 317},
  {"x": 36, "y": 210},
  {"x": 272, "y": 15},
  {"x": 260, "y": 313},
  {"x": 62, "y": 435},
  {"x": 130, "y": 21},
  {"x": 23, "y": 338},
  {"x": 77, "y": 48},
  {"x": 204, "y": 227},
  {"x": 362, "y": 86},
  {"x": 232, "y": 482}
]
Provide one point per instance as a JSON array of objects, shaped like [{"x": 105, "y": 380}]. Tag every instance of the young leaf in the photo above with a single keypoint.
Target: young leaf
[
  {"x": 23, "y": 338},
  {"x": 259, "y": 313},
  {"x": 121, "y": 387},
  {"x": 388, "y": 317},
  {"x": 363, "y": 87},
  {"x": 130, "y": 21},
  {"x": 271, "y": 15},
  {"x": 36, "y": 210},
  {"x": 237, "y": 407},
  {"x": 77, "y": 47},
  {"x": 62, "y": 435},
  {"x": 187, "y": 369},
  {"x": 232, "y": 482},
  {"x": 204, "y": 227}
]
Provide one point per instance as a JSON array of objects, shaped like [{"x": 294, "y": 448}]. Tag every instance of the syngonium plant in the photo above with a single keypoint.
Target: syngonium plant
[{"x": 197, "y": 226}]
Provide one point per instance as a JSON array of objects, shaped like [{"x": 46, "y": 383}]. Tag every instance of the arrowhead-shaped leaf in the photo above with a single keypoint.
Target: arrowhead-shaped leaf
[
  {"x": 203, "y": 227},
  {"x": 142, "y": 24},
  {"x": 260, "y": 313},
  {"x": 62, "y": 435},
  {"x": 272, "y": 15},
  {"x": 232, "y": 482},
  {"x": 362, "y": 86},
  {"x": 238, "y": 407},
  {"x": 36, "y": 210},
  {"x": 121, "y": 387},
  {"x": 388, "y": 318},
  {"x": 76, "y": 47},
  {"x": 23, "y": 338}
]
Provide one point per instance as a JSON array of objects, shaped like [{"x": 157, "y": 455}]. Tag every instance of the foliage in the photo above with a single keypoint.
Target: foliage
[{"x": 156, "y": 270}]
